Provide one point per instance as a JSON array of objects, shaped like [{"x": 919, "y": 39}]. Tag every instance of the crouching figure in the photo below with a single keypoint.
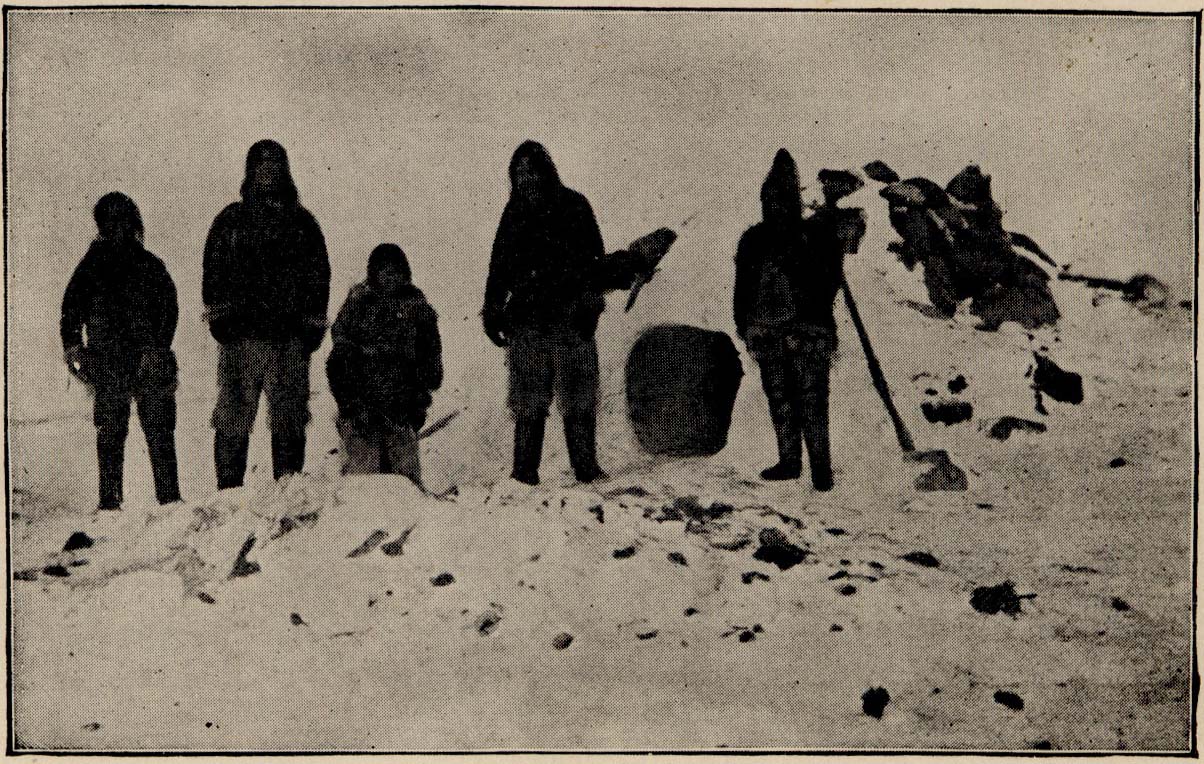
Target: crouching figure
[{"x": 386, "y": 362}]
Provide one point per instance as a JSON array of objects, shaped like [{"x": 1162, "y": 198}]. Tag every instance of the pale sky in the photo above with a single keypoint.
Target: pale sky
[{"x": 400, "y": 124}]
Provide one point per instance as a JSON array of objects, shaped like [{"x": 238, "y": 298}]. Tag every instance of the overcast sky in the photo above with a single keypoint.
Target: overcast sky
[{"x": 400, "y": 125}]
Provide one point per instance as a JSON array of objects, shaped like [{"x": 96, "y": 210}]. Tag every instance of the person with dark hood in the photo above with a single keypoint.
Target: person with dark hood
[
  {"x": 386, "y": 362},
  {"x": 543, "y": 300},
  {"x": 118, "y": 321},
  {"x": 1016, "y": 289},
  {"x": 788, "y": 272},
  {"x": 266, "y": 285},
  {"x": 957, "y": 234}
]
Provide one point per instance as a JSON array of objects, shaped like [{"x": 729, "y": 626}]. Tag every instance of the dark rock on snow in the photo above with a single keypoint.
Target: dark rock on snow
[
  {"x": 397, "y": 546},
  {"x": 1009, "y": 699},
  {"x": 921, "y": 558},
  {"x": 562, "y": 640},
  {"x": 1001, "y": 598},
  {"x": 1005, "y": 426},
  {"x": 369, "y": 544},
  {"x": 443, "y": 579},
  {"x": 776, "y": 549},
  {"x": 947, "y": 412},
  {"x": 874, "y": 701},
  {"x": 243, "y": 566},
  {"x": 1063, "y": 386},
  {"x": 77, "y": 540}
]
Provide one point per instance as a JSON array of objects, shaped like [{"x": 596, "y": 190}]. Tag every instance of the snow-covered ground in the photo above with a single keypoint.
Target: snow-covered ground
[
  {"x": 395, "y": 135},
  {"x": 154, "y": 642}
]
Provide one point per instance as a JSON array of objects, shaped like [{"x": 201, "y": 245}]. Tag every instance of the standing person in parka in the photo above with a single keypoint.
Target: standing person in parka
[
  {"x": 123, "y": 299},
  {"x": 386, "y": 362},
  {"x": 788, "y": 272},
  {"x": 266, "y": 286},
  {"x": 543, "y": 299}
]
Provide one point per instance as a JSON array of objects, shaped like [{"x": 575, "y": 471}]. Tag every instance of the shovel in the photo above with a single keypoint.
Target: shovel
[
  {"x": 1143, "y": 289},
  {"x": 944, "y": 475}
]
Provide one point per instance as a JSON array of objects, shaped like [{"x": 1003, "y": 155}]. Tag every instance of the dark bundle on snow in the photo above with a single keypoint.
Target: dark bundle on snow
[
  {"x": 681, "y": 387},
  {"x": 1061, "y": 385},
  {"x": 947, "y": 412}
]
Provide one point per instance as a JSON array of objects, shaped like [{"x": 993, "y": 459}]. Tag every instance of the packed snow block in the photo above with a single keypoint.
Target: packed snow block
[{"x": 682, "y": 383}]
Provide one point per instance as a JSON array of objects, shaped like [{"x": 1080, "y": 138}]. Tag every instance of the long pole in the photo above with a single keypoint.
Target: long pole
[{"x": 905, "y": 442}]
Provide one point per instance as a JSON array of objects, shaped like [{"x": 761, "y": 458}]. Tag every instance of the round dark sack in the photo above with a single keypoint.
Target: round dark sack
[{"x": 682, "y": 383}]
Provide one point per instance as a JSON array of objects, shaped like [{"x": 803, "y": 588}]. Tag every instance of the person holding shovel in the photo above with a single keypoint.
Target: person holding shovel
[
  {"x": 386, "y": 362},
  {"x": 788, "y": 271}
]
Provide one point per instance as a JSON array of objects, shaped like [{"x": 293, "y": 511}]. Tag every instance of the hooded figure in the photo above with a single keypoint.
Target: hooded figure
[
  {"x": 386, "y": 362},
  {"x": 122, "y": 298},
  {"x": 957, "y": 234},
  {"x": 543, "y": 298},
  {"x": 787, "y": 274},
  {"x": 266, "y": 285}
]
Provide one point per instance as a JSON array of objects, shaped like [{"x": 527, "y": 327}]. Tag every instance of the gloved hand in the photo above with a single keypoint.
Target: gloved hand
[
  {"x": 76, "y": 358},
  {"x": 754, "y": 338},
  {"x": 222, "y": 323},
  {"x": 495, "y": 328}
]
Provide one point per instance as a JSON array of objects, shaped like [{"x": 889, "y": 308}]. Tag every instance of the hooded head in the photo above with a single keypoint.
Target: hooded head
[
  {"x": 388, "y": 268},
  {"x": 781, "y": 198},
  {"x": 533, "y": 175},
  {"x": 268, "y": 177},
  {"x": 117, "y": 218},
  {"x": 838, "y": 184},
  {"x": 915, "y": 192},
  {"x": 970, "y": 186}
]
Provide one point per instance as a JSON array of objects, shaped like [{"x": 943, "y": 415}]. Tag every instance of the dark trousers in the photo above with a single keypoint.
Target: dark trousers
[
  {"x": 560, "y": 365},
  {"x": 249, "y": 368},
  {"x": 149, "y": 379},
  {"x": 380, "y": 450},
  {"x": 795, "y": 369},
  {"x": 544, "y": 366}
]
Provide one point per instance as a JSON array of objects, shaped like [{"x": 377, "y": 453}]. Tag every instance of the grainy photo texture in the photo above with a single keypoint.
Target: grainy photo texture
[{"x": 595, "y": 380}]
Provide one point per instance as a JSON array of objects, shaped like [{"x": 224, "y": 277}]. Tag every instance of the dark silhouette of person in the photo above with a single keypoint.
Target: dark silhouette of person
[
  {"x": 788, "y": 271},
  {"x": 386, "y": 362},
  {"x": 957, "y": 234},
  {"x": 266, "y": 286},
  {"x": 118, "y": 321},
  {"x": 543, "y": 299}
]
